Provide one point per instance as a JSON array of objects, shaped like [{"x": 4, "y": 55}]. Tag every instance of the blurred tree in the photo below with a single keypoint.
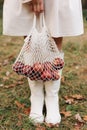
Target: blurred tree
[
  {"x": 1, "y": 1},
  {"x": 84, "y": 2}
]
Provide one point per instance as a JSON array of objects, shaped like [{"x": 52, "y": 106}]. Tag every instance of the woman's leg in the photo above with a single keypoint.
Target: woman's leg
[
  {"x": 37, "y": 101},
  {"x": 59, "y": 42}
]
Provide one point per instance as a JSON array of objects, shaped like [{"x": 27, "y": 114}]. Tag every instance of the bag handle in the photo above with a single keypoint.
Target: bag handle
[
  {"x": 42, "y": 21},
  {"x": 41, "y": 18}
]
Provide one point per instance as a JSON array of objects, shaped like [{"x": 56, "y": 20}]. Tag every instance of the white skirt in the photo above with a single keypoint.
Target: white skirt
[{"x": 63, "y": 17}]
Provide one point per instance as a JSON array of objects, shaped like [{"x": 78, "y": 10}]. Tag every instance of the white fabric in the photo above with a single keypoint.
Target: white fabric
[
  {"x": 25, "y": 1},
  {"x": 37, "y": 101},
  {"x": 52, "y": 101},
  {"x": 63, "y": 17}
]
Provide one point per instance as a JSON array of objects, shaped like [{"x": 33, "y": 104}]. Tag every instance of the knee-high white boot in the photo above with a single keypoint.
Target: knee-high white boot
[
  {"x": 37, "y": 101},
  {"x": 52, "y": 102},
  {"x": 52, "y": 99}
]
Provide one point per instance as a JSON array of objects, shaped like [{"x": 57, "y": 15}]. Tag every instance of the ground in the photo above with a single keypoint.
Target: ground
[{"x": 15, "y": 93}]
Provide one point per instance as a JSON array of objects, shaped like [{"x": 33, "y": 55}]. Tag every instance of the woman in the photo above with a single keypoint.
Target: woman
[{"x": 63, "y": 18}]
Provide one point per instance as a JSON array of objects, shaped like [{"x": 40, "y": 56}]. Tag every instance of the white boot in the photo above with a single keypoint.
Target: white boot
[
  {"x": 37, "y": 101},
  {"x": 52, "y": 102},
  {"x": 52, "y": 99}
]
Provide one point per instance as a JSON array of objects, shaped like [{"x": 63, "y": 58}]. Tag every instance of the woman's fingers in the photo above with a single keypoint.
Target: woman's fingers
[
  {"x": 38, "y": 6},
  {"x": 35, "y": 8},
  {"x": 42, "y": 6}
]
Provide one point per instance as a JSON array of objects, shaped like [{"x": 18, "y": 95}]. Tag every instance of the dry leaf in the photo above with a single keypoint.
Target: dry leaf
[
  {"x": 5, "y": 78},
  {"x": 50, "y": 125},
  {"x": 19, "y": 105},
  {"x": 78, "y": 125},
  {"x": 12, "y": 85},
  {"x": 27, "y": 111},
  {"x": 66, "y": 97},
  {"x": 63, "y": 79},
  {"x": 6, "y": 86},
  {"x": 9, "y": 86},
  {"x": 19, "y": 123},
  {"x": 70, "y": 101},
  {"x": 0, "y": 64},
  {"x": 7, "y": 73},
  {"x": 20, "y": 117},
  {"x": 77, "y": 96},
  {"x": 5, "y": 62},
  {"x": 20, "y": 82},
  {"x": 78, "y": 117},
  {"x": 11, "y": 56},
  {"x": 40, "y": 127},
  {"x": 1, "y": 85},
  {"x": 85, "y": 118},
  {"x": 66, "y": 113}
]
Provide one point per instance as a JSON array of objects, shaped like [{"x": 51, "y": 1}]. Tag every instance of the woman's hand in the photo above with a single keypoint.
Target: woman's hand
[{"x": 38, "y": 6}]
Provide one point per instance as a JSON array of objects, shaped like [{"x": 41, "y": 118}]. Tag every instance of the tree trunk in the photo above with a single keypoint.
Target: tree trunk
[{"x": 84, "y": 2}]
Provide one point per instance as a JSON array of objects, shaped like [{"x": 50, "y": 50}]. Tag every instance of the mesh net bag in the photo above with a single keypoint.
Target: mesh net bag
[{"x": 39, "y": 58}]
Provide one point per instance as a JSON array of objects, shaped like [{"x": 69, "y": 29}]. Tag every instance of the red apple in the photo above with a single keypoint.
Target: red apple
[
  {"x": 18, "y": 67},
  {"x": 26, "y": 70},
  {"x": 46, "y": 75},
  {"x": 58, "y": 63},
  {"x": 55, "y": 75},
  {"x": 34, "y": 76},
  {"x": 38, "y": 67}
]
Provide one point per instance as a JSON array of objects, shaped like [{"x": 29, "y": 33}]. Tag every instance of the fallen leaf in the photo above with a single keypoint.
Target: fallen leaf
[
  {"x": 40, "y": 127},
  {"x": 11, "y": 56},
  {"x": 70, "y": 101},
  {"x": 27, "y": 111},
  {"x": 0, "y": 64},
  {"x": 77, "y": 96},
  {"x": 66, "y": 113},
  {"x": 78, "y": 125},
  {"x": 12, "y": 85},
  {"x": 5, "y": 78},
  {"x": 78, "y": 117},
  {"x": 5, "y": 62},
  {"x": 1, "y": 85},
  {"x": 6, "y": 86},
  {"x": 20, "y": 82},
  {"x": 85, "y": 118},
  {"x": 63, "y": 79},
  {"x": 66, "y": 97},
  {"x": 19, "y": 123},
  {"x": 7, "y": 73},
  {"x": 19, "y": 105},
  {"x": 50, "y": 125},
  {"x": 20, "y": 117},
  {"x": 77, "y": 67},
  {"x": 9, "y": 86}
]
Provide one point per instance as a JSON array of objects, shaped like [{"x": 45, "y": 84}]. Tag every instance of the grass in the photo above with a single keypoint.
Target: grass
[{"x": 15, "y": 88}]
